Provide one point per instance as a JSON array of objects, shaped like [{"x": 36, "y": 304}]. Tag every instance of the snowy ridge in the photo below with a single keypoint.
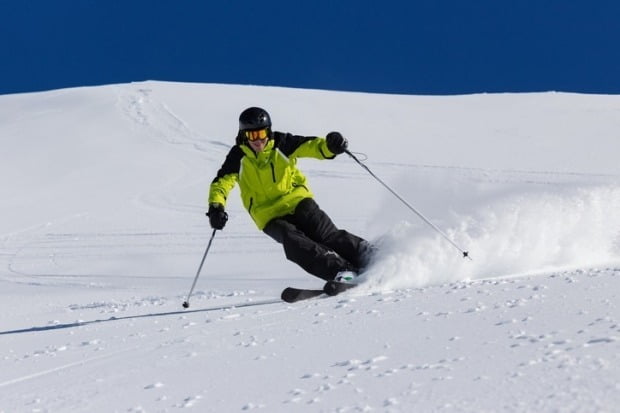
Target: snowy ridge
[{"x": 103, "y": 228}]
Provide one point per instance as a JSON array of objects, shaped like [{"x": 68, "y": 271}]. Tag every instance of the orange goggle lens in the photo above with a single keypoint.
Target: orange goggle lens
[{"x": 253, "y": 135}]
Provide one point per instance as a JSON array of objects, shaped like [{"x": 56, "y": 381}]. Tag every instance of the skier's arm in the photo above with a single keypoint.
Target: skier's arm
[
  {"x": 226, "y": 178},
  {"x": 311, "y": 146},
  {"x": 315, "y": 148},
  {"x": 221, "y": 187}
]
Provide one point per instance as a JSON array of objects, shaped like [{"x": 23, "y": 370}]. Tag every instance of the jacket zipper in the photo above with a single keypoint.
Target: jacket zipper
[{"x": 273, "y": 172}]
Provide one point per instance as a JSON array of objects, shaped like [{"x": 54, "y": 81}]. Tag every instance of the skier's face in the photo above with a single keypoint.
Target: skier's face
[
  {"x": 257, "y": 139},
  {"x": 258, "y": 145}
]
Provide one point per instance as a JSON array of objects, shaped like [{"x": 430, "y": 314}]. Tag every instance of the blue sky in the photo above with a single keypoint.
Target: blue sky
[{"x": 409, "y": 47}]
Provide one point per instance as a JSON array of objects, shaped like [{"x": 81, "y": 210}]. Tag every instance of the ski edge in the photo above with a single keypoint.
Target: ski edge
[
  {"x": 293, "y": 295},
  {"x": 331, "y": 288}
]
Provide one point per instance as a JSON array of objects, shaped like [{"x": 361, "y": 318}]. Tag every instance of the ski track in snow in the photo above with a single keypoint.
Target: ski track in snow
[{"x": 489, "y": 314}]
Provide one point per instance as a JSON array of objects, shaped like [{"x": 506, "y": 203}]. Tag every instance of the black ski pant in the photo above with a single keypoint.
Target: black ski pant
[{"x": 311, "y": 240}]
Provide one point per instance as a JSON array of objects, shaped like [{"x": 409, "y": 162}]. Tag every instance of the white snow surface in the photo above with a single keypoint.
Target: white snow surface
[{"x": 102, "y": 230}]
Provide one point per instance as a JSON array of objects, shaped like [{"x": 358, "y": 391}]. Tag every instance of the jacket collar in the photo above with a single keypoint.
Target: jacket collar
[{"x": 249, "y": 152}]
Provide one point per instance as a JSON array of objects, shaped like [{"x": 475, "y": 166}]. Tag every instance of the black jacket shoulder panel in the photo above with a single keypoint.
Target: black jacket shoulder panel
[
  {"x": 232, "y": 163},
  {"x": 288, "y": 143}
]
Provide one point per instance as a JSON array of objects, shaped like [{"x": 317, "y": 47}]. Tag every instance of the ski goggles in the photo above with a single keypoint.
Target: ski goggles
[{"x": 253, "y": 135}]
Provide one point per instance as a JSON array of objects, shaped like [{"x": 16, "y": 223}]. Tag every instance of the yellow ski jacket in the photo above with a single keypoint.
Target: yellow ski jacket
[{"x": 270, "y": 183}]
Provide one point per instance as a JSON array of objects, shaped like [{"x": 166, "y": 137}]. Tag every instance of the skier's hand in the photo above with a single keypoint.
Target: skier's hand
[
  {"x": 336, "y": 143},
  {"x": 217, "y": 216}
]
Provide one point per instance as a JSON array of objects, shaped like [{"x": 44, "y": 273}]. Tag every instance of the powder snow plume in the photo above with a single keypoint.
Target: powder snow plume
[{"x": 509, "y": 228}]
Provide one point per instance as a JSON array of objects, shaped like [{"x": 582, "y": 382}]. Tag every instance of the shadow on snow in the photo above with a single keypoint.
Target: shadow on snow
[{"x": 133, "y": 317}]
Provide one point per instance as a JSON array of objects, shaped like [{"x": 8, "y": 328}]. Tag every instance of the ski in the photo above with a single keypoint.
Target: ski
[
  {"x": 331, "y": 288},
  {"x": 292, "y": 295}
]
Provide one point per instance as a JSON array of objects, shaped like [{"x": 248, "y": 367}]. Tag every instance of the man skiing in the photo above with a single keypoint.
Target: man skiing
[{"x": 276, "y": 195}]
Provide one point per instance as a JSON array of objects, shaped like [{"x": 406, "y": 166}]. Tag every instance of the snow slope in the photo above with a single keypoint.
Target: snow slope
[{"x": 102, "y": 231}]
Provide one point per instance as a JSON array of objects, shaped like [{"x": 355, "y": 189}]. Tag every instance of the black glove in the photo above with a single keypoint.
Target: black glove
[
  {"x": 217, "y": 216},
  {"x": 336, "y": 143}
]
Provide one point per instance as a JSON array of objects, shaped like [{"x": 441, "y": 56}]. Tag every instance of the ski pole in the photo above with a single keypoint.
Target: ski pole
[
  {"x": 419, "y": 214},
  {"x": 186, "y": 302}
]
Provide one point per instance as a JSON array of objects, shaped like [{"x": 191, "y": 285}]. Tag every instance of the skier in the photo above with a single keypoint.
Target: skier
[{"x": 276, "y": 195}]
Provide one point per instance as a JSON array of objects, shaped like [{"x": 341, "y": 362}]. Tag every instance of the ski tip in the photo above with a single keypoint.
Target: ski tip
[
  {"x": 292, "y": 295},
  {"x": 286, "y": 294}
]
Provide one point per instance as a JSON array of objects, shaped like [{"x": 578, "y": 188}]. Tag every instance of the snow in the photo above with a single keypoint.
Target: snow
[{"x": 103, "y": 229}]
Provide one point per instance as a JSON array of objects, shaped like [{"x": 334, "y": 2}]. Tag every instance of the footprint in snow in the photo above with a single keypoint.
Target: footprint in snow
[{"x": 190, "y": 401}]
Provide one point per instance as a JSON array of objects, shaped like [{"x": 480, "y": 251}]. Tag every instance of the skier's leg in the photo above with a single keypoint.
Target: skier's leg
[
  {"x": 313, "y": 257},
  {"x": 318, "y": 226}
]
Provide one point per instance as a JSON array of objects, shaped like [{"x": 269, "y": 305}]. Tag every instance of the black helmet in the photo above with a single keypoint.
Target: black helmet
[{"x": 254, "y": 118}]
